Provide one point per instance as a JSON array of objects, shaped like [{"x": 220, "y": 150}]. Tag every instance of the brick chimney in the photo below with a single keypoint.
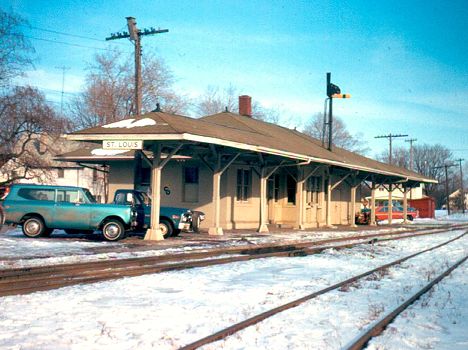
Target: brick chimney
[{"x": 245, "y": 105}]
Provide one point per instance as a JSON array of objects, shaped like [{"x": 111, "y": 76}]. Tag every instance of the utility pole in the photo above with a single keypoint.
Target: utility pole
[
  {"x": 63, "y": 68},
  {"x": 411, "y": 152},
  {"x": 462, "y": 190},
  {"x": 446, "y": 166},
  {"x": 134, "y": 34},
  {"x": 390, "y": 137}
]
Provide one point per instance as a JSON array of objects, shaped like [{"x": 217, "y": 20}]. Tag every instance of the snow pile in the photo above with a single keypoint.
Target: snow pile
[
  {"x": 107, "y": 152},
  {"x": 131, "y": 123}
]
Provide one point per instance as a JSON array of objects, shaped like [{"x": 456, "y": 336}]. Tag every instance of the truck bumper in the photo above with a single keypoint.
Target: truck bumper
[{"x": 184, "y": 226}]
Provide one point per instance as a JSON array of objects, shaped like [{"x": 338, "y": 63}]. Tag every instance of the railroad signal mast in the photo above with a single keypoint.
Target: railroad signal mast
[
  {"x": 134, "y": 34},
  {"x": 390, "y": 138},
  {"x": 333, "y": 91}
]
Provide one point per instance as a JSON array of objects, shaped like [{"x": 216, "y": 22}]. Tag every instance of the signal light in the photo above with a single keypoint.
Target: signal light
[
  {"x": 341, "y": 96},
  {"x": 332, "y": 89}
]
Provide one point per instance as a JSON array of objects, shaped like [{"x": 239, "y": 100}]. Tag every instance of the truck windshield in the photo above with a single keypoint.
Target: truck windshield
[
  {"x": 146, "y": 200},
  {"x": 89, "y": 196}
]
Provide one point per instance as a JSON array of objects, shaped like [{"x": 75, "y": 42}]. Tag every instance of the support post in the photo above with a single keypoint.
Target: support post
[
  {"x": 372, "y": 205},
  {"x": 390, "y": 204},
  {"x": 155, "y": 233},
  {"x": 300, "y": 203},
  {"x": 353, "y": 205},
  {"x": 262, "y": 227},
  {"x": 216, "y": 230},
  {"x": 329, "y": 193},
  {"x": 405, "y": 204}
]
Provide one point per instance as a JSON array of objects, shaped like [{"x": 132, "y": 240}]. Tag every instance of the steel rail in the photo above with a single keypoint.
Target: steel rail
[
  {"x": 264, "y": 315},
  {"x": 37, "y": 279},
  {"x": 377, "y": 329}
]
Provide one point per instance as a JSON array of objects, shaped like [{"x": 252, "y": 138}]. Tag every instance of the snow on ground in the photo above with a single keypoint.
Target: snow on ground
[
  {"x": 168, "y": 310},
  {"x": 433, "y": 321}
]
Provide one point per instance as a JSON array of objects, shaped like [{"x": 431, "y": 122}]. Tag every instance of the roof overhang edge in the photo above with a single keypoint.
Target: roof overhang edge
[{"x": 218, "y": 141}]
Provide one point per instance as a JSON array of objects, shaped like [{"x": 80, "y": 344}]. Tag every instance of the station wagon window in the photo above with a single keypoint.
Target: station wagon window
[
  {"x": 243, "y": 185},
  {"x": 291, "y": 189},
  {"x": 90, "y": 196},
  {"x": 69, "y": 196},
  {"x": 191, "y": 180},
  {"x": 35, "y": 194}
]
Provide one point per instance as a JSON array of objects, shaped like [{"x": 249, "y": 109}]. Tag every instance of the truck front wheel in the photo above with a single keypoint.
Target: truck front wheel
[
  {"x": 166, "y": 228},
  {"x": 113, "y": 230}
]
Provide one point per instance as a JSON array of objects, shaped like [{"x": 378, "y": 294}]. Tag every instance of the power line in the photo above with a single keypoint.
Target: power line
[
  {"x": 390, "y": 137},
  {"x": 66, "y": 43},
  {"x": 50, "y": 90},
  {"x": 63, "y": 33}
]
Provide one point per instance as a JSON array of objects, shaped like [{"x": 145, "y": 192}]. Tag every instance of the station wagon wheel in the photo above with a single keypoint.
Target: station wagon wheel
[
  {"x": 166, "y": 228},
  {"x": 34, "y": 227},
  {"x": 113, "y": 230}
]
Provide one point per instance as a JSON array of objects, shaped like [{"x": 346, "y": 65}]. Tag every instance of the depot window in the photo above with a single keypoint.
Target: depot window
[
  {"x": 243, "y": 185},
  {"x": 313, "y": 189},
  {"x": 274, "y": 187},
  {"x": 291, "y": 189},
  {"x": 191, "y": 184}
]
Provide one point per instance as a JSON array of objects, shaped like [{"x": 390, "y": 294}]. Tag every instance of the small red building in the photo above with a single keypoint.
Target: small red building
[{"x": 426, "y": 206}]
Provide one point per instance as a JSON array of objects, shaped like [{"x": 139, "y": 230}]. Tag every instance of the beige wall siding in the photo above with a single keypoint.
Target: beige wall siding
[
  {"x": 120, "y": 177},
  {"x": 237, "y": 214}
]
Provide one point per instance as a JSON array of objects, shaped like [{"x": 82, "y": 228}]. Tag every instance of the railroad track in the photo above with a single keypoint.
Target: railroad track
[
  {"x": 362, "y": 340},
  {"x": 378, "y": 327},
  {"x": 32, "y": 279}
]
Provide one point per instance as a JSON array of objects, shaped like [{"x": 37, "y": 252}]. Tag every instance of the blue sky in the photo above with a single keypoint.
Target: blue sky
[{"x": 403, "y": 62}]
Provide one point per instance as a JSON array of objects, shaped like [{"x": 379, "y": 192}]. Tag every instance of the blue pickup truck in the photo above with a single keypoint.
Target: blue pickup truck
[{"x": 40, "y": 209}]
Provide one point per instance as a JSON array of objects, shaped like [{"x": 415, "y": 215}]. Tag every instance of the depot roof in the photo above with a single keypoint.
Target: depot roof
[{"x": 241, "y": 132}]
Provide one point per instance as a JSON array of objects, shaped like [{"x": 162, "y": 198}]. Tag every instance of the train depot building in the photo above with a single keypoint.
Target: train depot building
[{"x": 243, "y": 173}]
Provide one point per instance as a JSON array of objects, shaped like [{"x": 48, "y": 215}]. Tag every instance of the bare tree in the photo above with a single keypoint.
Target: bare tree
[
  {"x": 428, "y": 161},
  {"x": 341, "y": 136},
  {"x": 28, "y": 123},
  {"x": 216, "y": 100},
  {"x": 108, "y": 94},
  {"x": 15, "y": 49},
  {"x": 400, "y": 157}
]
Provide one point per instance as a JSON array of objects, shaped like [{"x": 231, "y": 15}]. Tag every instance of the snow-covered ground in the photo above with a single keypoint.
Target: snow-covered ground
[{"x": 168, "y": 310}]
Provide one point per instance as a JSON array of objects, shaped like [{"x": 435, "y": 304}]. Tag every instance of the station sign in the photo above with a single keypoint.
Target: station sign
[{"x": 122, "y": 144}]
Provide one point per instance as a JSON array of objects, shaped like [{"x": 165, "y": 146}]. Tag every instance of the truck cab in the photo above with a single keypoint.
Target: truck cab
[{"x": 172, "y": 220}]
